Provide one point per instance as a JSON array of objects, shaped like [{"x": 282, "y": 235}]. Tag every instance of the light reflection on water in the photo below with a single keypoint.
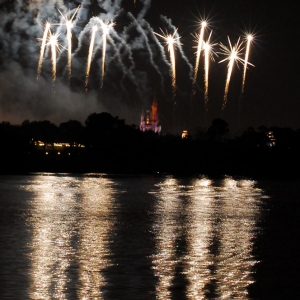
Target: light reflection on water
[
  {"x": 219, "y": 222},
  {"x": 200, "y": 235},
  {"x": 71, "y": 221}
]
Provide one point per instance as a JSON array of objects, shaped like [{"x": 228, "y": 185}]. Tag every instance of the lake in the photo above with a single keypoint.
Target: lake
[{"x": 109, "y": 236}]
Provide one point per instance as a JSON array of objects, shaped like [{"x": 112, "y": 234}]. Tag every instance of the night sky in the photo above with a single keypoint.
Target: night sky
[{"x": 137, "y": 63}]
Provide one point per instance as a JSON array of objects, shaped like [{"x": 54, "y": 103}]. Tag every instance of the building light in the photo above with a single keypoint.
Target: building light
[
  {"x": 184, "y": 134},
  {"x": 271, "y": 139}
]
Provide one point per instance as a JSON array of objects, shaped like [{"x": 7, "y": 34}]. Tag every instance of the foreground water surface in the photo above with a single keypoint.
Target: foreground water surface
[{"x": 100, "y": 236}]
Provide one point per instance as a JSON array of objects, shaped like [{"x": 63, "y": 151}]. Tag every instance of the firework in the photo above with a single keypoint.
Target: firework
[
  {"x": 91, "y": 50},
  {"x": 232, "y": 55},
  {"x": 199, "y": 48},
  {"x": 249, "y": 40},
  {"x": 44, "y": 40},
  {"x": 171, "y": 42},
  {"x": 69, "y": 25},
  {"x": 208, "y": 54},
  {"x": 54, "y": 45},
  {"x": 105, "y": 31}
]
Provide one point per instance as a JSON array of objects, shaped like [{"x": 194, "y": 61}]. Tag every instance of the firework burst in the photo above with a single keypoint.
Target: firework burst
[
  {"x": 171, "y": 42},
  {"x": 91, "y": 51},
  {"x": 106, "y": 26},
  {"x": 43, "y": 45},
  {"x": 232, "y": 56},
  {"x": 69, "y": 25},
  {"x": 208, "y": 54},
  {"x": 54, "y": 46},
  {"x": 249, "y": 41},
  {"x": 199, "y": 40}
]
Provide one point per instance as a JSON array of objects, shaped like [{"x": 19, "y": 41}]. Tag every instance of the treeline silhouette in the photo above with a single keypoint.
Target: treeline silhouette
[{"x": 113, "y": 146}]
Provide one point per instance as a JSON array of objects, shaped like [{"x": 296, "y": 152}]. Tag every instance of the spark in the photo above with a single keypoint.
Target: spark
[
  {"x": 91, "y": 50},
  {"x": 232, "y": 54},
  {"x": 208, "y": 54},
  {"x": 54, "y": 45},
  {"x": 105, "y": 31},
  {"x": 249, "y": 40},
  {"x": 44, "y": 40},
  {"x": 199, "y": 48},
  {"x": 69, "y": 26},
  {"x": 171, "y": 41}
]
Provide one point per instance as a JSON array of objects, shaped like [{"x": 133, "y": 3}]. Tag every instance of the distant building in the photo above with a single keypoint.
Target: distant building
[
  {"x": 271, "y": 139},
  {"x": 57, "y": 148},
  {"x": 184, "y": 134},
  {"x": 149, "y": 120}
]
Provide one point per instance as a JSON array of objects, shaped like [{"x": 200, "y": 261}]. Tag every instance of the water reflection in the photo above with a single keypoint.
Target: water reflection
[
  {"x": 53, "y": 219},
  {"x": 71, "y": 221},
  {"x": 199, "y": 257},
  {"x": 105, "y": 237},
  {"x": 238, "y": 210},
  {"x": 167, "y": 227},
  {"x": 95, "y": 224},
  {"x": 217, "y": 220}
]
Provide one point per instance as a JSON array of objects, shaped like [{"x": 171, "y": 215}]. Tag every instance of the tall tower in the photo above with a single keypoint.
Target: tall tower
[{"x": 154, "y": 111}]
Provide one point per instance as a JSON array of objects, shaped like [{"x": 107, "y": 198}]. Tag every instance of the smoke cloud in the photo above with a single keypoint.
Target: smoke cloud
[{"x": 136, "y": 65}]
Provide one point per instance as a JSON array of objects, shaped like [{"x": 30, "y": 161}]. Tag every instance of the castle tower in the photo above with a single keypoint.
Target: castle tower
[
  {"x": 149, "y": 121},
  {"x": 154, "y": 111}
]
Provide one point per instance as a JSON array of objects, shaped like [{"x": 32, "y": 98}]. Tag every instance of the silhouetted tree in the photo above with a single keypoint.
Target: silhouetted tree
[
  {"x": 104, "y": 128},
  {"x": 250, "y": 138},
  {"x": 103, "y": 121},
  {"x": 285, "y": 138},
  {"x": 218, "y": 129},
  {"x": 71, "y": 131},
  {"x": 40, "y": 130}
]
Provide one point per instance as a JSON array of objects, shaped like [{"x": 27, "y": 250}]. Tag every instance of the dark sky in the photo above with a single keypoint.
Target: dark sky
[{"x": 137, "y": 64}]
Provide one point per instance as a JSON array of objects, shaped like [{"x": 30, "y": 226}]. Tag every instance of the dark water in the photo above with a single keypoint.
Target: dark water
[{"x": 148, "y": 237}]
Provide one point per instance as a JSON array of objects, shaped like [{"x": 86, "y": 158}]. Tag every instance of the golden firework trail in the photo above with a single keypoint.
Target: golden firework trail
[
  {"x": 249, "y": 40},
  {"x": 232, "y": 54},
  {"x": 199, "y": 48},
  {"x": 171, "y": 41},
  {"x": 91, "y": 50},
  {"x": 54, "y": 45},
  {"x": 69, "y": 25},
  {"x": 208, "y": 54},
  {"x": 43, "y": 45},
  {"x": 105, "y": 31}
]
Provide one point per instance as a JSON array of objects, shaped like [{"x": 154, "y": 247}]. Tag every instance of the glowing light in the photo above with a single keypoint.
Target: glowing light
[
  {"x": 105, "y": 31},
  {"x": 54, "y": 45},
  {"x": 91, "y": 50},
  {"x": 69, "y": 26},
  {"x": 202, "y": 46},
  {"x": 199, "y": 48},
  {"x": 44, "y": 40},
  {"x": 232, "y": 55},
  {"x": 249, "y": 40},
  {"x": 208, "y": 53},
  {"x": 184, "y": 134},
  {"x": 171, "y": 41}
]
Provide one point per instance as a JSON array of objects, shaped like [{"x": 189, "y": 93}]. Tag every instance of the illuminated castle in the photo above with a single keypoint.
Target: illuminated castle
[{"x": 149, "y": 120}]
